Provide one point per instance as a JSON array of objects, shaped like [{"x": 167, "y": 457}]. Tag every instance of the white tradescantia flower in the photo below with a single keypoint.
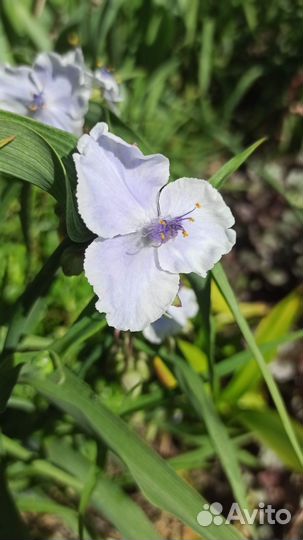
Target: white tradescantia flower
[
  {"x": 54, "y": 91},
  {"x": 148, "y": 232},
  {"x": 175, "y": 319}
]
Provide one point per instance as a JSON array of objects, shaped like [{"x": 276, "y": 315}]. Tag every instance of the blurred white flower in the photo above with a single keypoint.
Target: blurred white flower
[
  {"x": 54, "y": 91},
  {"x": 176, "y": 318},
  {"x": 112, "y": 91}
]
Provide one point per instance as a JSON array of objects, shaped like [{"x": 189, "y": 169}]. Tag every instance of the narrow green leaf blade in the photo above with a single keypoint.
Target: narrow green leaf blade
[
  {"x": 225, "y": 288},
  {"x": 197, "y": 394},
  {"x": 220, "y": 177}
]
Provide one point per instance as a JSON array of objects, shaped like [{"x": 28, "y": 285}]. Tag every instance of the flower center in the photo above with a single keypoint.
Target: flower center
[
  {"x": 162, "y": 230},
  {"x": 37, "y": 102}
]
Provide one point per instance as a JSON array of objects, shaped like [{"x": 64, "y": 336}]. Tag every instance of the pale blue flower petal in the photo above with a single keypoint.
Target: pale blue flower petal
[
  {"x": 132, "y": 290},
  {"x": 113, "y": 92},
  {"x": 188, "y": 309},
  {"x": 207, "y": 234},
  {"x": 176, "y": 319},
  {"x": 16, "y": 88},
  {"x": 65, "y": 92},
  {"x": 161, "y": 329},
  {"x": 53, "y": 92},
  {"x": 118, "y": 187}
]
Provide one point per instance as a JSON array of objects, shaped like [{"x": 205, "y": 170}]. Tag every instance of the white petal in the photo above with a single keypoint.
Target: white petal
[
  {"x": 209, "y": 236},
  {"x": 118, "y": 187},
  {"x": 161, "y": 329},
  {"x": 16, "y": 89},
  {"x": 133, "y": 291},
  {"x": 65, "y": 92},
  {"x": 189, "y": 306},
  {"x": 177, "y": 318}
]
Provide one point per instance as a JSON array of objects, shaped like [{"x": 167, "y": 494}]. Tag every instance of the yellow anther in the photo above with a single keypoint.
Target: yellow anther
[
  {"x": 185, "y": 234},
  {"x": 198, "y": 205},
  {"x": 73, "y": 39},
  {"x": 162, "y": 236},
  {"x": 33, "y": 108},
  {"x": 191, "y": 219},
  {"x": 163, "y": 222}
]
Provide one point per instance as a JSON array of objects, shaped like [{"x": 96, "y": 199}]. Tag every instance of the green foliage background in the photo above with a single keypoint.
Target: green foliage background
[{"x": 203, "y": 82}]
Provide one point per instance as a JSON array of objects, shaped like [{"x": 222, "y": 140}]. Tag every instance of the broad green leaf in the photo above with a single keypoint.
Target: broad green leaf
[
  {"x": 268, "y": 429},
  {"x": 42, "y": 155},
  {"x": 272, "y": 327},
  {"x": 7, "y": 140},
  {"x": 220, "y": 177},
  {"x": 31, "y": 159},
  {"x": 62, "y": 142},
  {"x": 157, "y": 479},
  {"x": 223, "y": 284}
]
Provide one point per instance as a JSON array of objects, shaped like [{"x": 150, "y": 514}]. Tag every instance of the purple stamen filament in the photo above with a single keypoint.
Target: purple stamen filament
[
  {"x": 159, "y": 232},
  {"x": 37, "y": 102}
]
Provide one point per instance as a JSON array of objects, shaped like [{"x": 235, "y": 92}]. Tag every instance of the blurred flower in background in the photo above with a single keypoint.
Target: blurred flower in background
[
  {"x": 54, "y": 91},
  {"x": 104, "y": 79},
  {"x": 176, "y": 318}
]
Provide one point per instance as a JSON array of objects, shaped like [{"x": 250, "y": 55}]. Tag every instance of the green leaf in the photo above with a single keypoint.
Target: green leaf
[
  {"x": 268, "y": 429},
  {"x": 24, "y": 23},
  {"x": 6, "y": 141},
  {"x": 219, "y": 178},
  {"x": 27, "y": 305},
  {"x": 88, "y": 323},
  {"x": 42, "y": 155},
  {"x": 195, "y": 356},
  {"x": 36, "y": 501},
  {"x": 62, "y": 142},
  {"x": 197, "y": 394},
  {"x": 225, "y": 288},
  {"x": 205, "y": 61},
  {"x": 202, "y": 288},
  {"x": 88, "y": 489},
  {"x": 236, "y": 361},
  {"x": 11, "y": 524},
  {"x": 107, "y": 497},
  {"x": 8, "y": 377},
  {"x": 242, "y": 86},
  {"x": 30, "y": 158},
  {"x": 158, "y": 480},
  {"x": 272, "y": 327}
]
